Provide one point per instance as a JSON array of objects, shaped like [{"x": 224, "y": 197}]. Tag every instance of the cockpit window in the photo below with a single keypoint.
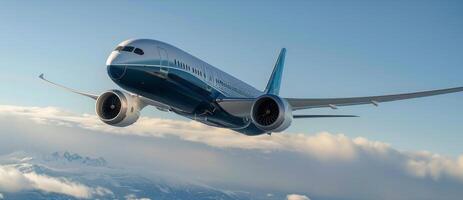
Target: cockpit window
[
  {"x": 119, "y": 48},
  {"x": 128, "y": 48},
  {"x": 139, "y": 51}
]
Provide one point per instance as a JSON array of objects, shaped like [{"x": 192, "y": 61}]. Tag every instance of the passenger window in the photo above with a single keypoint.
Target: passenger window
[{"x": 139, "y": 51}]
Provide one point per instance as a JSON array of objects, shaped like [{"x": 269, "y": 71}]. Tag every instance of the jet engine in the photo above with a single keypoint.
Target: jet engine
[
  {"x": 118, "y": 108},
  {"x": 271, "y": 113}
]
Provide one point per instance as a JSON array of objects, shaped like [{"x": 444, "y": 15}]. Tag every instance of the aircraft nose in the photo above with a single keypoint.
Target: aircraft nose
[
  {"x": 116, "y": 72},
  {"x": 112, "y": 59}
]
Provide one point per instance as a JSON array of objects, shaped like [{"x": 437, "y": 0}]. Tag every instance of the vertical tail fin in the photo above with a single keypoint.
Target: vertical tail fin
[{"x": 273, "y": 85}]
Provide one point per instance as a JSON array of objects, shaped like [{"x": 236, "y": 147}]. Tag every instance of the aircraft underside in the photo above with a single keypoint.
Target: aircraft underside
[{"x": 184, "y": 93}]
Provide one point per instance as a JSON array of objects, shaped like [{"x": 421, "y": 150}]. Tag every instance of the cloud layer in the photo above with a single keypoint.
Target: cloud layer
[
  {"x": 322, "y": 146},
  {"x": 13, "y": 180},
  {"x": 322, "y": 165},
  {"x": 296, "y": 197}
]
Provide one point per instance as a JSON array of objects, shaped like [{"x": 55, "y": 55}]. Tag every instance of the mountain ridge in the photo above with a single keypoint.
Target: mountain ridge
[{"x": 117, "y": 183}]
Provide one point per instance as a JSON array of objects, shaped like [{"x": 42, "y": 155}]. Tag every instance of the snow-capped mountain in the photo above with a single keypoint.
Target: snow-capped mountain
[
  {"x": 93, "y": 178},
  {"x": 73, "y": 158}
]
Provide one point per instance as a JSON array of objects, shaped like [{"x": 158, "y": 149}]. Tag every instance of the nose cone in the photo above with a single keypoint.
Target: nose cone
[{"x": 115, "y": 70}]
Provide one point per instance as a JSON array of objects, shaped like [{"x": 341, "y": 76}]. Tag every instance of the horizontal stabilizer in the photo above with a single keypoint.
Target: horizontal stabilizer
[{"x": 321, "y": 116}]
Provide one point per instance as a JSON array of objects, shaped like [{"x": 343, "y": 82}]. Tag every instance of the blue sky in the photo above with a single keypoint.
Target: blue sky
[{"x": 335, "y": 49}]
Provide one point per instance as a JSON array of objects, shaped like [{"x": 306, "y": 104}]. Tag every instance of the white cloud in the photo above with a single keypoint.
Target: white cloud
[
  {"x": 134, "y": 197},
  {"x": 1, "y": 196},
  {"x": 325, "y": 147},
  {"x": 296, "y": 197},
  {"x": 13, "y": 180},
  {"x": 426, "y": 164}
]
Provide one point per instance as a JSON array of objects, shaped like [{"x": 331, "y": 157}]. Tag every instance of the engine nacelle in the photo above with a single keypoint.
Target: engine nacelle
[
  {"x": 271, "y": 113},
  {"x": 118, "y": 108}
]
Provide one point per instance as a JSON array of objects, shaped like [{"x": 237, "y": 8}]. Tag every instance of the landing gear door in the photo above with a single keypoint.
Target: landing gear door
[{"x": 164, "y": 60}]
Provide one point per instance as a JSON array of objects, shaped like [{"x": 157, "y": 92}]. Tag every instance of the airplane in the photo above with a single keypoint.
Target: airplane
[{"x": 154, "y": 73}]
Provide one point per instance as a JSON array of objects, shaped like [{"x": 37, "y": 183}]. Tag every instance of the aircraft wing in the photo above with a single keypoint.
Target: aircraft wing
[
  {"x": 145, "y": 100},
  {"x": 93, "y": 96},
  {"x": 242, "y": 106},
  {"x": 298, "y": 104}
]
